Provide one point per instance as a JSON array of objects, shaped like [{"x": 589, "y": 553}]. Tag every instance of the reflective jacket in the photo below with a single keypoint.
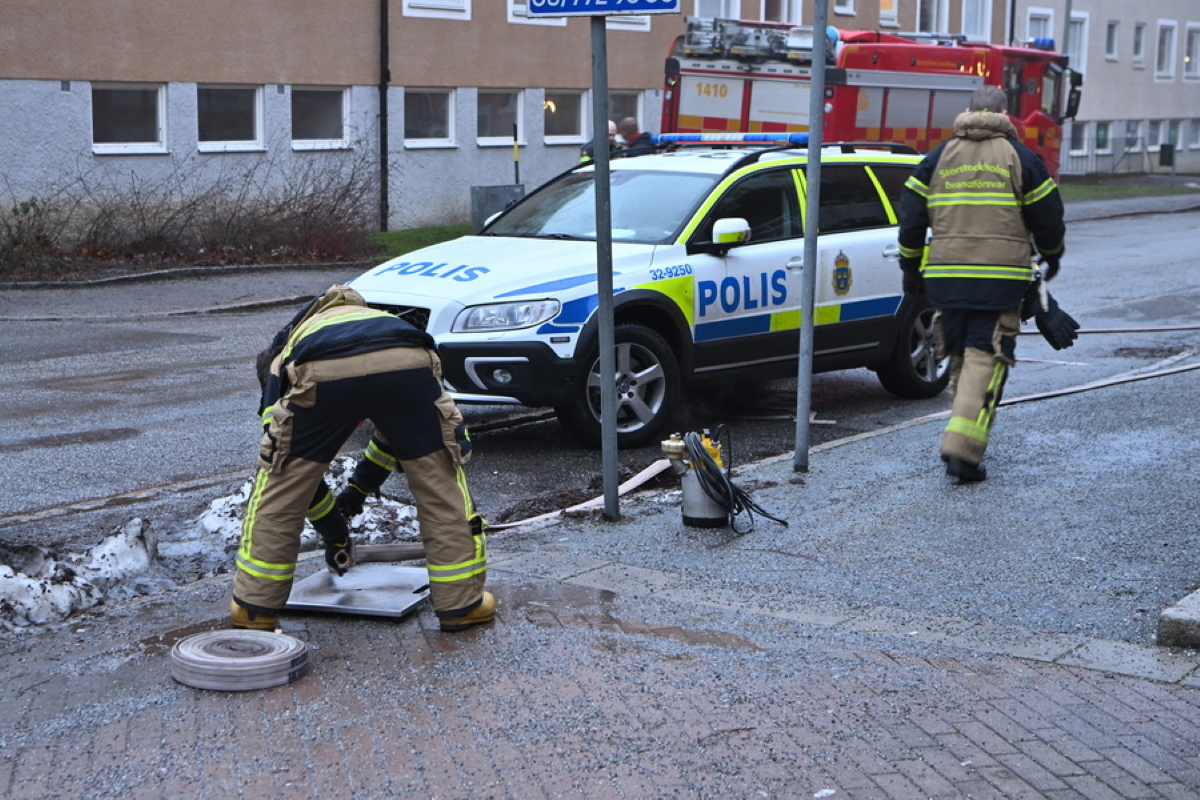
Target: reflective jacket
[{"x": 984, "y": 195}]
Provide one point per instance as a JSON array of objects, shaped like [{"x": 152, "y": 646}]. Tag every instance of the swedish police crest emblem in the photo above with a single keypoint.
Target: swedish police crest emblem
[{"x": 843, "y": 277}]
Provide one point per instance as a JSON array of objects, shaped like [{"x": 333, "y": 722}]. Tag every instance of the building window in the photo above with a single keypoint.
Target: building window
[
  {"x": 229, "y": 118},
  {"x": 1154, "y": 130},
  {"x": 843, "y": 6},
  {"x": 1040, "y": 24},
  {"x": 1078, "y": 138},
  {"x": 498, "y": 117},
  {"x": 428, "y": 118},
  {"x": 1110, "y": 40},
  {"x": 446, "y": 9},
  {"x": 932, "y": 15},
  {"x": 1191, "y": 54},
  {"x": 518, "y": 11},
  {"x": 1076, "y": 44},
  {"x": 1194, "y": 133},
  {"x": 1103, "y": 142},
  {"x": 787, "y": 11},
  {"x": 977, "y": 19},
  {"x": 1173, "y": 133},
  {"x": 888, "y": 15},
  {"x": 562, "y": 116},
  {"x": 627, "y": 22},
  {"x": 1164, "y": 56},
  {"x": 1139, "y": 43},
  {"x": 1133, "y": 135},
  {"x": 129, "y": 118},
  {"x": 319, "y": 118},
  {"x": 723, "y": 9},
  {"x": 625, "y": 104}
]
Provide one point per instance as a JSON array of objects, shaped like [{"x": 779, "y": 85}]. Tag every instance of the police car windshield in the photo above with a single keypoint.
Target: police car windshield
[{"x": 647, "y": 207}]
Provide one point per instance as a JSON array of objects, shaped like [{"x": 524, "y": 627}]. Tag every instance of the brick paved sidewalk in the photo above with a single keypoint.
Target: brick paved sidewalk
[{"x": 580, "y": 692}]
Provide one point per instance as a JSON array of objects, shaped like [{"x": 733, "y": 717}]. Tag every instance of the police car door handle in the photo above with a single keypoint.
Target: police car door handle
[
  {"x": 892, "y": 251},
  {"x": 796, "y": 263}
]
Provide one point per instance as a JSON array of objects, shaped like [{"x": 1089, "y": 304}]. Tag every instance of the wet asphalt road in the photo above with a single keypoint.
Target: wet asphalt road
[{"x": 136, "y": 387}]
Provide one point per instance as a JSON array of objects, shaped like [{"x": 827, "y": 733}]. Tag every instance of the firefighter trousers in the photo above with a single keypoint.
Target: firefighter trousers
[
  {"x": 981, "y": 346},
  {"x": 400, "y": 391}
]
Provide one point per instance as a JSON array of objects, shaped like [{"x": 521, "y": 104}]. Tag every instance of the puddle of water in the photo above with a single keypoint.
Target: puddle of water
[{"x": 161, "y": 644}]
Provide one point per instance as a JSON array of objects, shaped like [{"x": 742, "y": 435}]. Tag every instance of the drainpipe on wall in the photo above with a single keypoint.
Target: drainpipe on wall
[{"x": 385, "y": 77}]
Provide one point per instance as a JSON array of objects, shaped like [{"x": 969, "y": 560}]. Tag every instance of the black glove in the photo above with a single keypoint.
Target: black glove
[
  {"x": 339, "y": 556},
  {"x": 1056, "y": 326},
  {"x": 350, "y": 501},
  {"x": 913, "y": 283},
  {"x": 1049, "y": 267}
]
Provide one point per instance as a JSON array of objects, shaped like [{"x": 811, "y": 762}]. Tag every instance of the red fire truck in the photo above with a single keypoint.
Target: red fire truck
[{"x": 729, "y": 75}]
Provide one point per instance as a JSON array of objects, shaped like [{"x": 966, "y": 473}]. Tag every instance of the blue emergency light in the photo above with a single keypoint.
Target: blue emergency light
[{"x": 800, "y": 139}]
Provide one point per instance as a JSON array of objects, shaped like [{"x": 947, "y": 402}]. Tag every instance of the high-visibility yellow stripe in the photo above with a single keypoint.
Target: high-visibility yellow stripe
[
  {"x": 322, "y": 508},
  {"x": 1040, "y": 192},
  {"x": 978, "y": 271},
  {"x": 314, "y": 325},
  {"x": 887, "y": 201},
  {"x": 377, "y": 455},
  {"x": 968, "y": 428}
]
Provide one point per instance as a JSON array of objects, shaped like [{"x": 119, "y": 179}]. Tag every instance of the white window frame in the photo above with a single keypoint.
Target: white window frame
[
  {"x": 1139, "y": 44},
  {"x": 1193, "y": 142},
  {"x": 1191, "y": 52},
  {"x": 1173, "y": 126},
  {"x": 730, "y": 9},
  {"x": 941, "y": 13},
  {"x": 507, "y": 139},
  {"x": 450, "y": 140},
  {"x": 1136, "y": 146},
  {"x": 1154, "y": 134},
  {"x": 843, "y": 7},
  {"x": 627, "y": 22},
  {"x": 985, "y": 18},
  {"x": 1079, "y": 51},
  {"x": 237, "y": 145},
  {"x": 790, "y": 9},
  {"x": 1046, "y": 14},
  {"x": 1108, "y": 148},
  {"x": 118, "y": 148},
  {"x": 1081, "y": 128},
  {"x": 1112, "y": 40},
  {"x": 889, "y": 17},
  {"x": 442, "y": 9},
  {"x": 1167, "y": 72},
  {"x": 518, "y": 14},
  {"x": 323, "y": 144},
  {"x": 585, "y": 104}
]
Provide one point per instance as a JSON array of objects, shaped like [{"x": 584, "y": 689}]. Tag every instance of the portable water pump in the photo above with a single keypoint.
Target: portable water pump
[{"x": 710, "y": 500}]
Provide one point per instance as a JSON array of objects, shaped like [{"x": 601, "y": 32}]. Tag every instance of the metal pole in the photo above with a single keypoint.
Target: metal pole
[
  {"x": 604, "y": 276},
  {"x": 385, "y": 77},
  {"x": 808, "y": 278},
  {"x": 516, "y": 156}
]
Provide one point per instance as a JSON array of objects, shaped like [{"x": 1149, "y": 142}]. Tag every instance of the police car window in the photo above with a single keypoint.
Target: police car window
[
  {"x": 647, "y": 207},
  {"x": 892, "y": 179},
  {"x": 766, "y": 200},
  {"x": 849, "y": 200}
]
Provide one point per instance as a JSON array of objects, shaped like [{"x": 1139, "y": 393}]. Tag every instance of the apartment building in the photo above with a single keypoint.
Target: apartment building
[
  {"x": 1141, "y": 67},
  {"x": 428, "y": 94}
]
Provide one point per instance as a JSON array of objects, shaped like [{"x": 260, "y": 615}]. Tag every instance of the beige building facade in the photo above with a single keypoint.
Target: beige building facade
[{"x": 428, "y": 94}]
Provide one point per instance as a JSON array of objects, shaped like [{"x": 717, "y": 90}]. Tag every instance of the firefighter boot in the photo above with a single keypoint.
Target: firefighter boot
[
  {"x": 484, "y": 612},
  {"x": 964, "y": 471},
  {"x": 242, "y": 617}
]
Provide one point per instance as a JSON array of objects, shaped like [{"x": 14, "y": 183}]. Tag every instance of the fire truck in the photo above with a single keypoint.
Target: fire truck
[{"x": 729, "y": 75}]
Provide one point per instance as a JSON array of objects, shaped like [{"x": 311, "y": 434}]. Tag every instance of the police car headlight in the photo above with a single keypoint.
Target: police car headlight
[{"x": 505, "y": 316}]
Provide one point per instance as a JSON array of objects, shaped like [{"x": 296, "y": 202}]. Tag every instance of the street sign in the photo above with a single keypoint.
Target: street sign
[{"x": 599, "y": 8}]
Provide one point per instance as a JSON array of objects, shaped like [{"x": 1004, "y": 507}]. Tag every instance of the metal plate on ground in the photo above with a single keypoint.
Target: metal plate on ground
[
  {"x": 379, "y": 590},
  {"x": 238, "y": 660}
]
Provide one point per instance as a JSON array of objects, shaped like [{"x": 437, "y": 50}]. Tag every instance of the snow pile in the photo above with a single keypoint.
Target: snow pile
[
  {"x": 383, "y": 520},
  {"x": 37, "y": 587}
]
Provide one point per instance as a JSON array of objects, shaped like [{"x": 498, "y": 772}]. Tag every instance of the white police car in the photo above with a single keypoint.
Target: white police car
[{"x": 701, "y": 244}]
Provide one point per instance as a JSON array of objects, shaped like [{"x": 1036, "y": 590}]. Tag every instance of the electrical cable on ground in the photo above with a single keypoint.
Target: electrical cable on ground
[{"x": 715, "y": 482}]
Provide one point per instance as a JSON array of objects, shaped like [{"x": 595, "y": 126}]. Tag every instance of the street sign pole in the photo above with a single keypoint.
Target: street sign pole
[
  {"x": 812, "y": 213},
  {"x": 604, "y": 276}
]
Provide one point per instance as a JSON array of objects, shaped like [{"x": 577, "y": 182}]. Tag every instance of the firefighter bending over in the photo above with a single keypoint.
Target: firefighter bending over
[
  {"x": 984, "y": 195},
  {"x": 336, "y": 364}
]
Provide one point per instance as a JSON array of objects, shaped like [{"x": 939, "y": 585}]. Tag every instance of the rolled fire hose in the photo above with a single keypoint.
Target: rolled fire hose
[{"x": 238, "y": 660}]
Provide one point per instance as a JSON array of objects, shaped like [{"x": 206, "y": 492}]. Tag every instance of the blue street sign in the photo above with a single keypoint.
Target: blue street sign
[{"x": 599, "y": 8}]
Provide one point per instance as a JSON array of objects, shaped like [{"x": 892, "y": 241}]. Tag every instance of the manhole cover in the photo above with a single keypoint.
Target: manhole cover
[{"x": 238, "y": 660}]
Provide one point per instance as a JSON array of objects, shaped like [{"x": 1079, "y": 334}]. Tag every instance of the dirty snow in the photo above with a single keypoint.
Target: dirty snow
[{"x": 39, "y": 587}]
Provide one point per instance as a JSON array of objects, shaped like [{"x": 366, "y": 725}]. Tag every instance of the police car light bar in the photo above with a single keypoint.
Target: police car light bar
[{"x": 800, "y": 139}]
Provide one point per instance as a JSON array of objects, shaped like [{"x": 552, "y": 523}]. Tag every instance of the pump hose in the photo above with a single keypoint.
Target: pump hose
[{"x": 716, "y": 484}]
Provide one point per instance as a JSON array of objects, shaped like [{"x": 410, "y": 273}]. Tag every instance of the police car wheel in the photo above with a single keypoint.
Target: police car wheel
[
  {"x": 914, "y": 370},
  {"x": 647, "y": 389}
]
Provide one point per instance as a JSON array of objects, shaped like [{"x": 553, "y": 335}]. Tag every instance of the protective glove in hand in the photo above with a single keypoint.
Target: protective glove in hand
[
  {"x": 1056, "y": 326},
  {"x": 350, "y": 501},
  {"x": 339, "y": 556},
  {"x": 913, "y": 283}
]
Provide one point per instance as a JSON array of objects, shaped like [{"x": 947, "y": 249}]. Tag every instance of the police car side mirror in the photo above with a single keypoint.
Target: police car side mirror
[{"x": 726, "y": 233}]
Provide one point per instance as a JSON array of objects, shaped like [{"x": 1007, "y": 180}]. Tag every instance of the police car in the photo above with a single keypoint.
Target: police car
[{"x": 702, "y": 242}]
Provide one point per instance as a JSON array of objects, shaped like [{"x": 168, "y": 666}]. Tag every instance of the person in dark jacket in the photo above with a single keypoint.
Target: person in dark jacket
[
  {"x": 985, "y": 197},
  {"x": 336, "y": 364},
  {"x": 636, "y": 143},
  {"x": 588, "y": 151}
]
